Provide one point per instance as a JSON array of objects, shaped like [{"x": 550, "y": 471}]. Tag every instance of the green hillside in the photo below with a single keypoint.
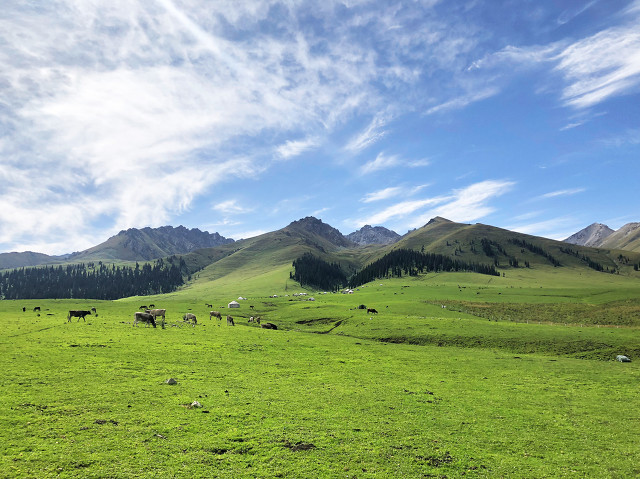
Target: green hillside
[
  {"x": 464, "y": 242},
  {"x": 264, "y": 262},
  {"x": 626, "y": 238}
]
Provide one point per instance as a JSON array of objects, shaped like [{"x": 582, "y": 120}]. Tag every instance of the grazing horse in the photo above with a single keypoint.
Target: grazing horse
[
  {"x": 77, "y": 314},
  {"x": 190, "y": 317},
  {"x": 144, "y": 318},
  {"x": 371, "y": 310},
  {"x": 37, "y": 308},
  {"x": 230, "y": 321},
  {"x": 215, "y": 314}
]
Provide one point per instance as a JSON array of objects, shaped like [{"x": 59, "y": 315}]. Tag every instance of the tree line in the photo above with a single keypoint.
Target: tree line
[
  {"x": 591, "y": 263},
  {"x": 312, "y": 271},
  {"x": 88, "y": 281},
  {"x": 411, "y": 263}
]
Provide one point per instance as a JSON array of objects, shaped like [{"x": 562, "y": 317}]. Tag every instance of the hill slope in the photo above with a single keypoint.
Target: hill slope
[
  {"x": 509, "y": 249},
  {"x": 627, "y": 238},
  {"x": 256, "y": 262}
]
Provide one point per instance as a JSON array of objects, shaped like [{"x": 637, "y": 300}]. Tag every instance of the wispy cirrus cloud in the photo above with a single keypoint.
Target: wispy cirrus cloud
[
  {"x": 381, "y": 162},
  {"x": 464, "y": 204},
  {"x": 557, "y": 228},
  {"x": 383, "y": 194},
  {"x": 369, "y": 136},
  {"x": 384, "y": 161},
  {"x": 593, "y": 69},
  {"x": 231, "y": 207},
  {"x": 463, "y": 101},
  {"x": 293, "y": 148},
  {"x": 100, "y": 99},
  {"x": 567, "y": 192},
  {"x": 601, "y": 66},
  {"x": 467, "y": 204},
  {"x": 119, "y": 91}
]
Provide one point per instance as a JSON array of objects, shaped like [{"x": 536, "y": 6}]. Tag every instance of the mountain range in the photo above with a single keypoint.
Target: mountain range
[
  {"x": 128, "y": 245},
  {"x": 598, "y": 235},
  {"x": 472, "y": 243}
]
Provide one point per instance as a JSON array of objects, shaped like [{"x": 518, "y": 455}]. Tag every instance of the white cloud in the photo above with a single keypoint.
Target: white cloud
[
  {"x": 600, "y": 66},
  {"x": 555, "y": 228},
  {"x": 293, "y": 148},
  {"x": 465, "y": 204},
  {"x": 229, "y": 207},
  {"x": 382, "y": 194},
  {"x": 567, "y": 192},
  {"x": 594, "y": 68},
  {"x": 398, "y": 211},
  {"x": 381, "y": 162},
  {"x": 384, "y": 161},
  {"x": 463, "y": 101},
  {"x": 370, "y": 135},
  {"x": 121, "y": 113},
  {"x": 570, "y": 13},
  {"x": 248, "y": 234},
  {"x": 117, "y": 97}
]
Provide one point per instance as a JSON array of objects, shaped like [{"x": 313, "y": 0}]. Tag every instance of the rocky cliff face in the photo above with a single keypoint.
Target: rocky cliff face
[
  {"x": 592, "y": 235},
  {"x": 373, "y": 235},
  {"x": 151, "y": 243}
]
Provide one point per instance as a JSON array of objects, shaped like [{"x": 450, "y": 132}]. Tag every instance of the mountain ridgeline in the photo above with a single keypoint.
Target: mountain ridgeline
[
  {"x": 315, "y": 255},
  {"x": 144, "y": 244},
  {"x": 599, "y": 235}
]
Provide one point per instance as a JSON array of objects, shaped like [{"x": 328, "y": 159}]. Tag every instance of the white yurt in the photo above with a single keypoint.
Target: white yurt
[{"x": 233, "y": 304}]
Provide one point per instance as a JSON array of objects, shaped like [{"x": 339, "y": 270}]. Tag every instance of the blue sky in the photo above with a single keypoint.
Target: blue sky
[{"x": 239, "y": 117}]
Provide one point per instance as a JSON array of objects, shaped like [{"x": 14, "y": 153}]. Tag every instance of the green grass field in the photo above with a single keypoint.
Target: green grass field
[{"x": 515, "y": 377}]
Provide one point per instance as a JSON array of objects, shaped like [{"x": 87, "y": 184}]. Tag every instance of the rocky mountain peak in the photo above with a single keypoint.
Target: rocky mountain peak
[
  {"x": 373, "y": 235},
  {"x": 592, "y": 235},
  {"x": 317, "y": 227}
]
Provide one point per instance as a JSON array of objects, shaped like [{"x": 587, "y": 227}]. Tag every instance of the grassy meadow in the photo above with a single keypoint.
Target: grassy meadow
[{"x": 456, "y": 375}]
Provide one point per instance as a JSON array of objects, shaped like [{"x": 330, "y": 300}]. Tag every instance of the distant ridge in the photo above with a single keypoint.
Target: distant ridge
[
  {"x": 627, "y": 238},
  {"x": 134, "y": 244},
  {"x": 25, "y": 258},
  {"x": 592, "y": 235},
  {"x": 151, "y": 243},
  {"x": 598, "y": 235}
]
